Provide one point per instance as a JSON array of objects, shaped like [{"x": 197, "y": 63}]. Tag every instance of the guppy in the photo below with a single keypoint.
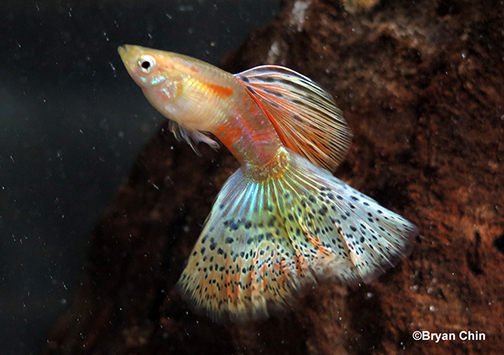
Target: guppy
[{"x": 282, "y": 221}]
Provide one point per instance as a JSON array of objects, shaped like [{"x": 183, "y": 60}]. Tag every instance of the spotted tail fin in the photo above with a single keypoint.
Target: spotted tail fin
[{"x": 263, "y": 241}]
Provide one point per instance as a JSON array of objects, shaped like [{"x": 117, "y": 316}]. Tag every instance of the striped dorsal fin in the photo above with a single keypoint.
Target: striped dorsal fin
[{"x": 304, "y": 115}]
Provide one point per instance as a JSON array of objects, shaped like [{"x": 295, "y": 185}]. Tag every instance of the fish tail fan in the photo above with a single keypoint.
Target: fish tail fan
[
  {"x": 242, "y": 264},
  {"x": 264, "y": 241}
]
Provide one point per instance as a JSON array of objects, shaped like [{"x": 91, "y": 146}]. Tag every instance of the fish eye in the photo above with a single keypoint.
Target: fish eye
[{"x": 146, "y": 63}]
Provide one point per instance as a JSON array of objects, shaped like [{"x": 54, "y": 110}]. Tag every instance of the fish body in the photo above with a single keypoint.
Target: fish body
[
  {"x": 201, "y": 98},
  {"x": 282, "y": 221}
]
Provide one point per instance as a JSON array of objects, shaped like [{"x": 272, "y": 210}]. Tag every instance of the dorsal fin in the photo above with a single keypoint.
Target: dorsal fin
[
  {"x": 304, "y": 115},
  {"x": 191, "y": 137}
]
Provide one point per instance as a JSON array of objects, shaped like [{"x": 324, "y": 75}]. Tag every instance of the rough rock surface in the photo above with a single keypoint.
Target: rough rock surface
[{"x": 421, "y": 85}]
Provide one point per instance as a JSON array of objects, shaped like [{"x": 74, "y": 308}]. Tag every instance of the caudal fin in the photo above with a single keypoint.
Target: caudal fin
[{"x": 265, "y": 240}]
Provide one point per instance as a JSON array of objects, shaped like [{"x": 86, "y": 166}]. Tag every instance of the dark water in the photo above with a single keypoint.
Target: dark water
[{"x": 71, "y": 123}]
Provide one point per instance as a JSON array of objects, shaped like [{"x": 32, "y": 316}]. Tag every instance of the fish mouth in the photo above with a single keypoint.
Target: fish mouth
[
  {"x": 129, "y": 55},
  {"x": 124, "y": 50}
]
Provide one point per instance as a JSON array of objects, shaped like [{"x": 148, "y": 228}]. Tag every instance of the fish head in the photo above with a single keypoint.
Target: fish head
[{"x": 182, "y": 88}]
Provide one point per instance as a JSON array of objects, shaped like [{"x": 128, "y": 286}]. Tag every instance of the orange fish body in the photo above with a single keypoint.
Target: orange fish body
[{"x": 282, "y": 221}]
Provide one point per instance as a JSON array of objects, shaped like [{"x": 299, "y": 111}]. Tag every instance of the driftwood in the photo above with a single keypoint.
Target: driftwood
[{"x": 421, "y": 85}]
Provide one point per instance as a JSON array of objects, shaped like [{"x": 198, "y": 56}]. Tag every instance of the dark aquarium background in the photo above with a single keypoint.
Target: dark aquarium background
[
  {"x": 71, "y": 124},
  {"x": 98, "y": 200}
]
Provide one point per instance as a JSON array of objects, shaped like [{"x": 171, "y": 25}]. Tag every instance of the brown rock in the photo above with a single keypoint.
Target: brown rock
[{"x": 421, "y": 84}]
